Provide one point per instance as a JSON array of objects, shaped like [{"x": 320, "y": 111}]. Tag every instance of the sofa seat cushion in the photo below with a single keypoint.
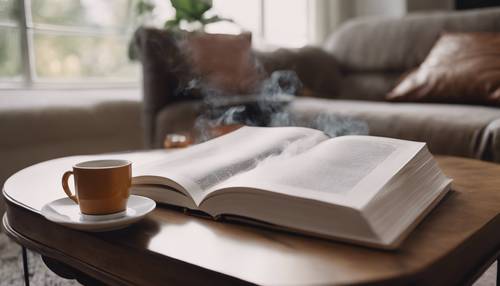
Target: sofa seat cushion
[{"x": 458, "y": 130}]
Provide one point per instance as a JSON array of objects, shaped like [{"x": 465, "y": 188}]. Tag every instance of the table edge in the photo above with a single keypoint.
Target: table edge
[{"x": 48, "y": 251}]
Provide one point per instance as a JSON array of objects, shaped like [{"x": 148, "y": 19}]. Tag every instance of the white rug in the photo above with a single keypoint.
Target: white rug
[{"x": 11, "y": 269}]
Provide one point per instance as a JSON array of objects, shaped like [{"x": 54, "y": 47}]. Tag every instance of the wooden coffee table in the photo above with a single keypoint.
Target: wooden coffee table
[{"x": 453, "y": 245}]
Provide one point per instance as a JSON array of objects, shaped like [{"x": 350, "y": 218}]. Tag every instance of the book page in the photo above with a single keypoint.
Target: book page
[
  {"x": 200, "y": 167},
  {"x": 330, "y": 171}
]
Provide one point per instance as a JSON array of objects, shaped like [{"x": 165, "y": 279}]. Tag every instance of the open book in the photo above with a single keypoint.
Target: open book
[{"x": 362, "y": 189}]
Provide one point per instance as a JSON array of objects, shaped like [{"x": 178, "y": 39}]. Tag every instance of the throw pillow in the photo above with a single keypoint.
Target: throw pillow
[{"x": 461, "y": 68}]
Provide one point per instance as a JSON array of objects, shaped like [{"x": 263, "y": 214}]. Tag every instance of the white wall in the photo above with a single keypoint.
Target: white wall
[
  {"x": 327, "y": 15},
  {"x": 390, "y": 8}
]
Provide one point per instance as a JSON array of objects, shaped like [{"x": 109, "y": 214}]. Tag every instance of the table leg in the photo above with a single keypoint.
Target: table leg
[
  {"x": 498, "y": 271},
  {"x": 25, "y": 267}
]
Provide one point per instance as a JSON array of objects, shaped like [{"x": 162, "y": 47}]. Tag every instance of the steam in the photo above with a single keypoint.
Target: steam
[
  {"x": 331, "y": 124},
  {"x": 267, "y": 108},
  {"x": 281, "y": 82}
]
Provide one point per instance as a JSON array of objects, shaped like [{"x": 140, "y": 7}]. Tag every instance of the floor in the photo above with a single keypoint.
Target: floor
[{"x": 11, "y": 269}]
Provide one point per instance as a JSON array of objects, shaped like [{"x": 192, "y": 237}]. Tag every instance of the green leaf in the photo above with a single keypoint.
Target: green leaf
[
  {"x": 181, "y": 15},
  {"x": 191, "y": 10},
  {"x": 214, "y": 19}
]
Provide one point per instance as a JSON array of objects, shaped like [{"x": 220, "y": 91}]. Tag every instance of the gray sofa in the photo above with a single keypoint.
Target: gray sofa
[{"x": 371, "y": 55}]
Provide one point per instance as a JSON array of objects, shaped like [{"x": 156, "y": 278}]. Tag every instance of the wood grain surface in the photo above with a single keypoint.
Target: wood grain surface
[{"x": 451, "y": 246}]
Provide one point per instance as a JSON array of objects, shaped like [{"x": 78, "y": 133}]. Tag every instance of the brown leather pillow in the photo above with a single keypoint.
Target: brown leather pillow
[{"x": 461, "y": 68}]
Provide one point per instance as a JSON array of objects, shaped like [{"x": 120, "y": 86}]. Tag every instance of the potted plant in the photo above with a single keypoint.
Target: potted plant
[
  {"x": 193, "y": 14},
  {"x": 190, "y": 16}
]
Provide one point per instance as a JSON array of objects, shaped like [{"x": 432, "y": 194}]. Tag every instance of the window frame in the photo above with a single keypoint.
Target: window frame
[
  {"x": 27, "y": 28},
  {"x": 14, "y": 82}
]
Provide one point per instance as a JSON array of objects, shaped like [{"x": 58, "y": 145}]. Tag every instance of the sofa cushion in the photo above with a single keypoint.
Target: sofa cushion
[
  {"x": 316, "y": 68},
  {"x": 367, "y": 86},
  {"x": 399, "y": 44},
  {"x": 448, "y": 129},
  {"x": 461, "y": 68}
]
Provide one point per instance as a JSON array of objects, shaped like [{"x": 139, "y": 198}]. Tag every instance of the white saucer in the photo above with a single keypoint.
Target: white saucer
[{"x": 66, "y": 212}]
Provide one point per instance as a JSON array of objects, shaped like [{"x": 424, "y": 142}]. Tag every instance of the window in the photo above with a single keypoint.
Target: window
[
  {"x": 57, "y": 42},
  {"x": 70, "y": 41},
  {"x": 10, "y": 42},
  {"x": 282, "y": 23}
]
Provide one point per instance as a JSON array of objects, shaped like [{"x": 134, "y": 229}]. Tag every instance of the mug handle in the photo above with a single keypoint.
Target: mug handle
[{"x": 65, "y": 186}]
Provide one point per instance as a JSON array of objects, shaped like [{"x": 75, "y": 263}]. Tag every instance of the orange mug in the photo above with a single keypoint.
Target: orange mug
[{"x": 101, "y": 186}]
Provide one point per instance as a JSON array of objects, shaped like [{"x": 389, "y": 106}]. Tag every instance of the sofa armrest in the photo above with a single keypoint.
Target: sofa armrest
[
  {"x": 163, "y": 70},
  {"x": 317, "y": 69},
  {"x": 489, "y": 147}
]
